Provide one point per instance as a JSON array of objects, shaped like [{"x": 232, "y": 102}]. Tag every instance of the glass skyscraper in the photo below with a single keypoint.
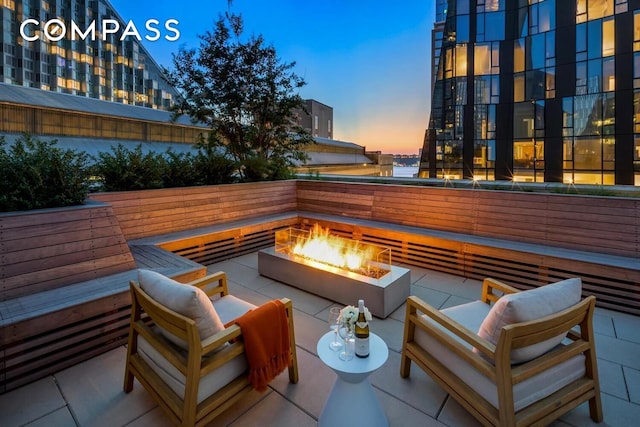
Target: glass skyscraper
[
  {"x": 537, "y": 91},
  {"x": 102, "y": 67}
]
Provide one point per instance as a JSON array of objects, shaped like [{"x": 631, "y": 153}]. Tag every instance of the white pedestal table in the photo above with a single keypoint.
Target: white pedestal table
[{"x": 352, "y": 400}]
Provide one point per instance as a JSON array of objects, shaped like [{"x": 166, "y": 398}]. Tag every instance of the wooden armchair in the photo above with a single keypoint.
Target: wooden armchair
[
  {"x": 196, "y": 381},
  {"x": 449, "y": 345}
]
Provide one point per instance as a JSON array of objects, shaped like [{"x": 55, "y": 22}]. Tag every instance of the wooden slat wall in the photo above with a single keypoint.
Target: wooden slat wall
[
  {"x": 148, "y": 213},
  {"x": 57, "y": 247},
  {"x": 52, "y": 341},
  {"x": 615, "y": 286},
  {"x": 218, "y": 246},
  {"x": 588, "y": 223}
]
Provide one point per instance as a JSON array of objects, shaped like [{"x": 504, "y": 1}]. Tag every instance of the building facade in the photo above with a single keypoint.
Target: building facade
[
  {"x": 537, "y": 91},
  {"x": 92, "y": 62},
  {"x": 317, "y": 120}
]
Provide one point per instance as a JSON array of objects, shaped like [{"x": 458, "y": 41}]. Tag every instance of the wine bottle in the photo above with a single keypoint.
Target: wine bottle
[{"x": 362, "y": 332}]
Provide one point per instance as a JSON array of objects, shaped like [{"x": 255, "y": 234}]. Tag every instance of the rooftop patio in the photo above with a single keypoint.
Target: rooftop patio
[{"x": 90, "y": 393}]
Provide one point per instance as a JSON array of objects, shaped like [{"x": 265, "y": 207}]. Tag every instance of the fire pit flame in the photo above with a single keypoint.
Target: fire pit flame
[{"x": 319, "y": 248}]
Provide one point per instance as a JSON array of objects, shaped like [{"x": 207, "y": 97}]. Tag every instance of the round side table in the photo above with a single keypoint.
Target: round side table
[{"x": 352, "y": 400}]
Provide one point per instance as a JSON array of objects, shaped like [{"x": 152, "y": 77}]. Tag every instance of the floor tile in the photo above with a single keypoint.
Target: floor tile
[
  {"x": 93, "y": 390},
  {"x": 30, "y": 402},
  {"x": 399, "y": 414},
  {"x": 627, "y": 327},
  {"x": 314, "y": 386},
  {"x": 418, "y": 391},
  {"x": 617, "y": 413},
  {"x": 288, "y": 415},
  {"x": 455, "y": 415},
  {"x": 612, "y": 379},
  {"x": 632, "y": 377},
  {"x": 603, "y": 324},
  {"x": 618, "y": 351},
  {"x": 62, "y": 418}
]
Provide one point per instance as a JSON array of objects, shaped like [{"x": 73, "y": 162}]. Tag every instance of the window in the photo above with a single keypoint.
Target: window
[
  {"x": 518, "y": 55},
  {"x": 636, "y": 30},
  {"x": 636, "y": 69},
  {"x": 315, "y": 122},
  {"x": 608, "y": 37},
  {"x": 462, "y": 28},
  {"x": 462, "y": 7},
  {"x": 486, "y": 58},
  {"x": 461, "y": 60}
]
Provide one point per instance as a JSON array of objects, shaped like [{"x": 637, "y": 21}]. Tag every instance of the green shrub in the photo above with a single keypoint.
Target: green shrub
[
  {"x": 123, "y": 169},
  {"x": 212, "y": 167},
  {"x": 179, "y": 170},
  {"x": 36, "y": 174}
]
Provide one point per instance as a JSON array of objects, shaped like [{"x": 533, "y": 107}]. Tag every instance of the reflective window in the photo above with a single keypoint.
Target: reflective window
[
  {"x": 636, "y": 30},
  {"x": 523, "y": 120},
  {"x": 494, "y": 26},
  {"x": 490, "y": 5},
  {"x": 518, "y": 87},
  {"x": 547, "y": 15},
  {"x": 609, "y": 74},
  {"x": 636, "y": 69},
  {"x": 462, "y": 28},
  {"x": 608, "y": 37},
  {"x": 608, "y": 113},
  {"x": 535, "y": 52},
  {"x": 636, "y": 111},
  {"x": 462, "y": 7},
  {"x": 535, "y": 84},
  {"x": 587, "y": 117},
  {"x": 581, "y": 42},
  {"x": 518, "y": 55},
  {"x": 599, "y": 8},
  {"x": 486, "y": 58},
  {"x": 461, "y": 60},
  {"x": 594, "y": 74},
  {"x": 594, "y": 39},
  {"x": 567, "y": 116},
  {"x": 587, "y": 153}
]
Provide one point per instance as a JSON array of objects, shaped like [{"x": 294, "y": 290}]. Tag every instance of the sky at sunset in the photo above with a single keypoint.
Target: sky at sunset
[{"x": 368, "y": 60}]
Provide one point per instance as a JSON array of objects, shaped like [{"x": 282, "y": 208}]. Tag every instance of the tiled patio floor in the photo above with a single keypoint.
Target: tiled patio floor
[{"x": 90, "y": 394}]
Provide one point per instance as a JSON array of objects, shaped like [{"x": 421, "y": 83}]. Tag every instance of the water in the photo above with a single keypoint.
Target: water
[{"x": 405, "y": 171}]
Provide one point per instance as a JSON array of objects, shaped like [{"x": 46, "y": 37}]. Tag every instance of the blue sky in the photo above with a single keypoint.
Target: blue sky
[{"x": 368, "y": 60}]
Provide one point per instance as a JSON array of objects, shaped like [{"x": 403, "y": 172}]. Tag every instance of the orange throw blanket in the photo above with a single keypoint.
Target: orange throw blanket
[{"x": 265, "y": 332}]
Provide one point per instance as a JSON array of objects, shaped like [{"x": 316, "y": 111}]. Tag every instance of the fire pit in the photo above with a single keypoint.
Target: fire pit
[{"x": 336, "y": 268}]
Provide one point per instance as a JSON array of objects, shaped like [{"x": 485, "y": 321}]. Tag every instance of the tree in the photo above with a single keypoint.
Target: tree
[{"x": 247, "y": 97}]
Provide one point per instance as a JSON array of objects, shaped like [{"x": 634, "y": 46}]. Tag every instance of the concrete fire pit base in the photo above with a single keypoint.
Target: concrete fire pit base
[{"x": 381, "y": 296}]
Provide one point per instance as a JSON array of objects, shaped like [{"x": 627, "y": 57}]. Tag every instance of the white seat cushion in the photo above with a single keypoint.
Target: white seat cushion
[
  {"x": 228, "y": 308},
  {"x": 530, "y": 305},
  {"x": 471, "y": 315},
  {"x": 209, "y": 384},
  {"x": 187, "y": 300}
]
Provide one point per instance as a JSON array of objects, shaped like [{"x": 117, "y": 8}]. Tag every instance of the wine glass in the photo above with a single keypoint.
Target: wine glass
[
  {"x": 346, "y": 334},
  {"x": 334, "y": 314}
]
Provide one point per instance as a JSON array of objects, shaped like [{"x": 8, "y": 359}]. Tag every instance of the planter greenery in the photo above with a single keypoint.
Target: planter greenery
[{"x": 35, "y": 174}]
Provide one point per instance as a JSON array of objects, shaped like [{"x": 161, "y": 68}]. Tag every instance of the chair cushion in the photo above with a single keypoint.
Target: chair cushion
[
  {"x": 525, "y": 393},
  {"x": 209, "y": 384},
  {"x": 530, "y": 305},
  {"x": 187, "y": 300},
  {"x": 229, "y": 308}
]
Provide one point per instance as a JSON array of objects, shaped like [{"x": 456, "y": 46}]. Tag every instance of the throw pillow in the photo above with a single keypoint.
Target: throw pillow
[
  {"x": 187, "y": 300},
  {"x": 530, "y": 305}
]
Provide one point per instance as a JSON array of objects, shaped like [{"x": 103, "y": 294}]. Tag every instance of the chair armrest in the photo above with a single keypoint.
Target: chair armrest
[
  {"x": 219, "y": 281},
  {"x": 416, "y": 304},
  {"x": 490, "y": 285},
  {"x": 215, "y": 341}
]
